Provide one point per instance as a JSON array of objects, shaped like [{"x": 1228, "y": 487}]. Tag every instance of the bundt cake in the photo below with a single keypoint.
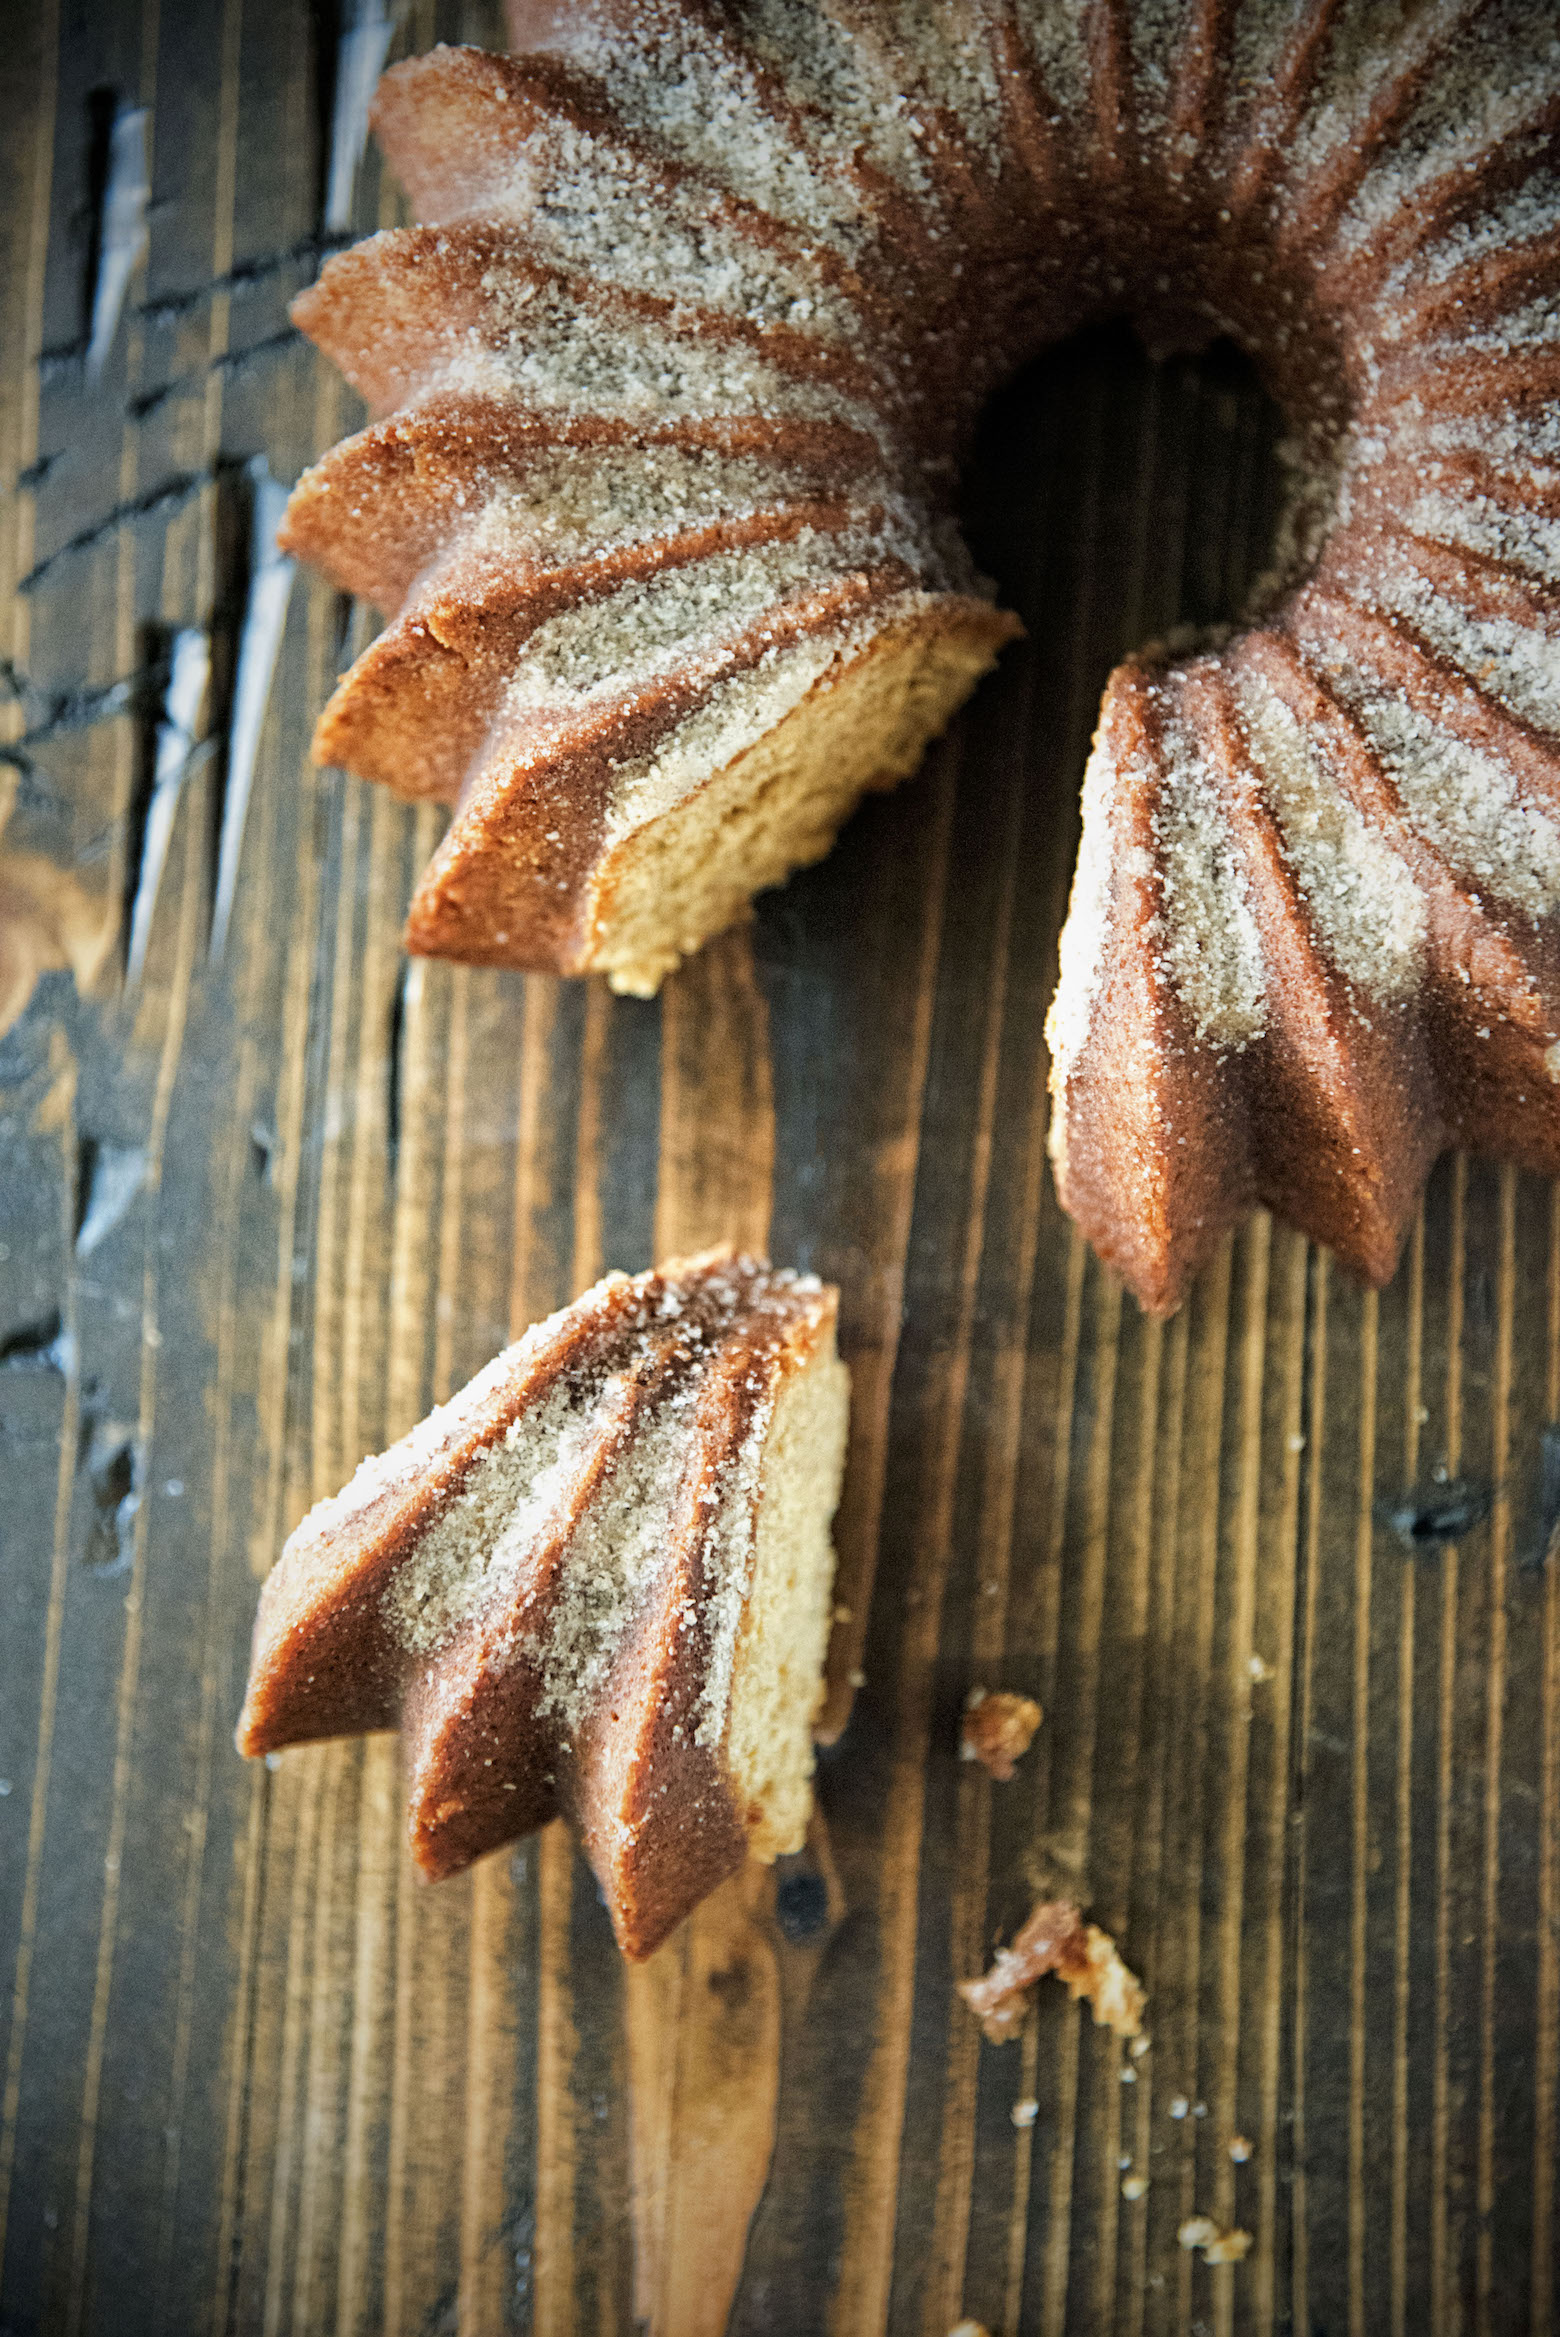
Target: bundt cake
[
  {"x": 597, "y": 1582},
  {"x": 676, "y": 381}
]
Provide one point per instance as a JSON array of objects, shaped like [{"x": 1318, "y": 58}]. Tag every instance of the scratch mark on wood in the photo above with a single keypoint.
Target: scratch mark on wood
[
  {"x": 44, "y": 1345},
  {"x": 244, "y": 276},
  {"x": 116, "y": 1472},
  {"x": 168, "y": 496},
  {"x": 360, "y": 57},
  {"x": 51, "y": 714},
  {"x": 111, "y": 1176},
  {"x": 271, "y": 575},
  {"x": 801, "y": 1898},
  {"x": 393, "y": 1069},
  {"x": 123, "y": 235},
  {"x": 1445, "y": 1510},
  {"x": 147, "y": 402},
  {"x": 189, "y": 672},
  {"x": 1546, "y": 1524},
  {"x": 39, "y": 469}
]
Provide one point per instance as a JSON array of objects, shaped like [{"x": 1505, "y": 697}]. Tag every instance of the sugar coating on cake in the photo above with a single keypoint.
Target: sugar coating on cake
[
  {"x": 598, "y": 1581},
  {"x": 676, "y": 380}
]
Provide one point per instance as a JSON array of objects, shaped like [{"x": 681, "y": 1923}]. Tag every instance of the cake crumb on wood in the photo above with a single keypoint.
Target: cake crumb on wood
[
  {"x": 1218, "y": 2246},
  {"x": 1055, "y": 1938},
  {"x": 998, "y": 1729}
]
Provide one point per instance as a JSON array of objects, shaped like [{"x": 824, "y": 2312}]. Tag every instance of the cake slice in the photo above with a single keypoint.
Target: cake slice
[{"x": 597, "y": 1583}]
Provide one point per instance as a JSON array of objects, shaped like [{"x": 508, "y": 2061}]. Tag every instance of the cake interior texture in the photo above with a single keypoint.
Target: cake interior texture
[
  {"x": 777, "y": 1668},
  {"x": 597, "y": 1583},
  {"x": 677, "y": 878}
]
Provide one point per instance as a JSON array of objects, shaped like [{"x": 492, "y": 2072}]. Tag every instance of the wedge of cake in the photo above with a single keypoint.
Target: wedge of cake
[{"x": 597, "y": 1583}]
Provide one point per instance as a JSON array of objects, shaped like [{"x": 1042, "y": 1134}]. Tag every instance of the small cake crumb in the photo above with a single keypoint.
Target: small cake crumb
[
  {"x": 998, "y": 1730},
  {"x": 1055, "y": 1938},
  {"x": 1179, "y": 2105},
  {"x": 1260, "y": 1669},
  {"x": 1218, "y": 2246},
  {"x": 1240, "y": 2149},
  {"x": 969, "y": 2329},
  {"x": 1134, "y": 2186},
  {"x": 1025, "y": 2113}
]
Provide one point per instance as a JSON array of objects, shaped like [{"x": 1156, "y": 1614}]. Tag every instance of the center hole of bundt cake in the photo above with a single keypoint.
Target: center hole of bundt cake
[{"x": 1120, "y": 500}]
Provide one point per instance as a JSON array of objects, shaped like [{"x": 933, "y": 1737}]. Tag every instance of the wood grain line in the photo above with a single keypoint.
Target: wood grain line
[
  {"x": 298, "y": 1805},
  {"x": 1494, "y": 1723},
  {"x": 1316, "y": 1431},
  {"x": 872, "y": 1332},
  {"x": 1006, "y": 1412},
  {"x": 1240, "y": 1598},
  {"x": 344, "y": 2103},
  {"x": 24, "y": 336},
  {"x": 1413, "y": 1381},
  {"x": 416, "y": 1195},
  {"x": 1161, "y": 2075},
  {"x": 248, "y": 2052},
  {"x": 59, "y": 1113},
  {"x": 557, "y": 2047},
  {"x": 311, "y": 2211},
  {"x": 862, "y": 2298},
  {"x": 1546, "y": 2058},
  {"x": 191, "y": 908},
  {"x": 174, "y": 1005},
  {"x": 1065, "y": 1845},
  {"x": 998, "y": 1457},
  {"x": 489, "y": 2054},
  {"x": 1130, "y": 2271},
  {"x": 328, "y": 1464},
  {"x": 363, "y": 1374},
  {"x": 227, "y": 2265},
  {"x": 282, "y": 1502},
  {"x": 323, "y": 2043},
  {"x": 1274, "y": 1663},
  {"x": 359, "y": 2266},
  {"x": 1046, "y": 1634},
  {"x": 1364, "y": 1535},
  {"x": 366, "y": 1233},
  {"x": 1442, "y": 2232},
  {"x": 231, "y": 1367},
  {"x": 1190, "y": 1784}
]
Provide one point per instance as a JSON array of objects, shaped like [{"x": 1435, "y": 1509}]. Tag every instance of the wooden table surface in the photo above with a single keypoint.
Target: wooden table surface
[{"x": 1279, "y": 1571}]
